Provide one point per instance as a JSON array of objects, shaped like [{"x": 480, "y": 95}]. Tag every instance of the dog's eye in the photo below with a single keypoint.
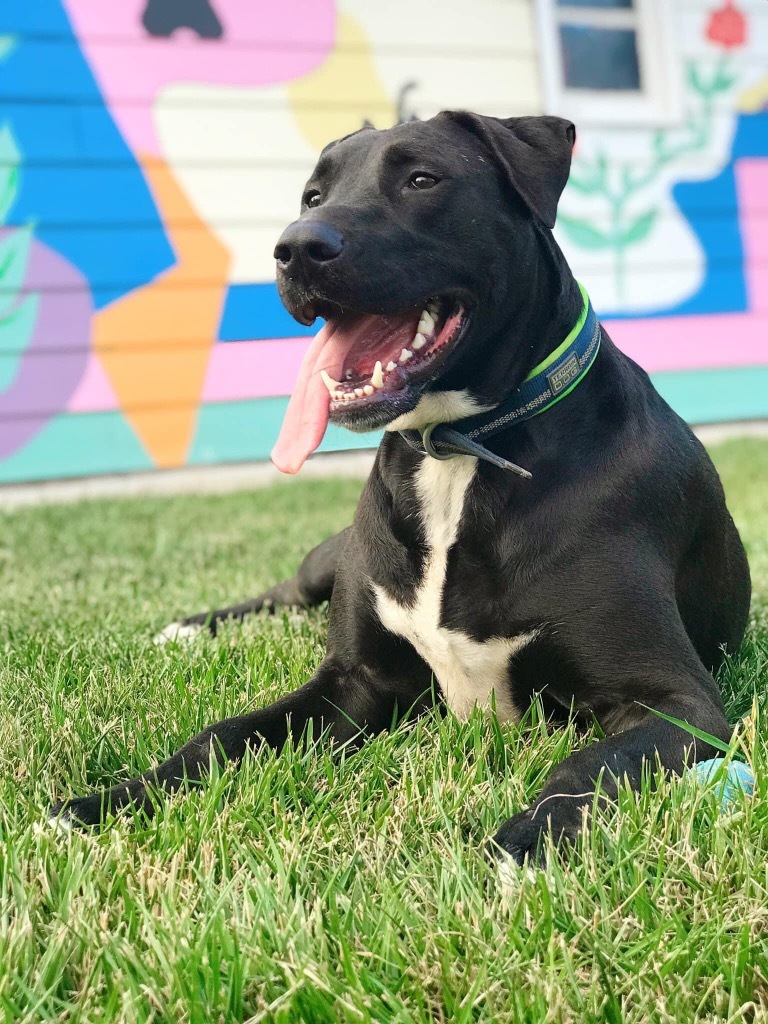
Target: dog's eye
[
  {"x": 421, "y": 181},
  {"x": 312, "y": 198}
]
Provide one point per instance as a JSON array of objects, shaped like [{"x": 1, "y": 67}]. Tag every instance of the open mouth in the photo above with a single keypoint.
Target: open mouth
[
  {"x": 384, "y": 353},
  {"x": 359, "y": 370}
]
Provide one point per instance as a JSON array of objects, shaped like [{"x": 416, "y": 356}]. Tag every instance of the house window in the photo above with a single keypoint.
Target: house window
[{"x": 609, "y": 61}]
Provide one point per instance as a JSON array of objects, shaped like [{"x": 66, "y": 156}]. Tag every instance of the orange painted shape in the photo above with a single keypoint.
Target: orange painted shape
[{"x": 135, "y": 336}]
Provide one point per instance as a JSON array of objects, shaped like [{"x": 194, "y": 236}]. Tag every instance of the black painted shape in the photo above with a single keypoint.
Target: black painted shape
[{"x": 161, "y": 18}]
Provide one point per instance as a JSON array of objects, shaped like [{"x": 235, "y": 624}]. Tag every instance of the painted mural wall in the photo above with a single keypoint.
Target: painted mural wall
[{"x": 151, "y": 151}]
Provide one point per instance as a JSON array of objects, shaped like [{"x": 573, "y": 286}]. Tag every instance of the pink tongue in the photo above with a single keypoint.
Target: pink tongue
[{"x": 306, "y": 417}]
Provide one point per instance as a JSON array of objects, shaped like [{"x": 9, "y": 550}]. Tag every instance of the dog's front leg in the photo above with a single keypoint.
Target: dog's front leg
[
  {"x": 342, "y": 705},
  {"x": 572, "y": 784}
]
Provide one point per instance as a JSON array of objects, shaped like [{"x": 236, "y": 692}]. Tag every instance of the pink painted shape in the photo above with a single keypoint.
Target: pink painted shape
[
  {"x": 94, "y": 393},
  {"x": 253, "y": 369},
  {"x": 713, "y": 340},
  {"x": 272, "y": 41}
]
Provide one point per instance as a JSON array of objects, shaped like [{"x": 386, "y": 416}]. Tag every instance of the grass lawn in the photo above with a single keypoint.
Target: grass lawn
[{"x": 310, "y": 888}]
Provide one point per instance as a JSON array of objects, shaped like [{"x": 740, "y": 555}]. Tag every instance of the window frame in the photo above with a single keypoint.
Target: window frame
[{"x": 658, "y": 102}]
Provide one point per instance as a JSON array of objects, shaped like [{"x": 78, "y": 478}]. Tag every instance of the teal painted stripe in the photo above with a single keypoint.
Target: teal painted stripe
[
  {"x": 715, "y": 396},
  {"x": 245, "y": 431},
  {"x": 88, "y": 444}
]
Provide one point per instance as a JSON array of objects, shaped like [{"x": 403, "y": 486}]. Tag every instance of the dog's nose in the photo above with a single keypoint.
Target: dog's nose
[{"x": 308, "y": 242}]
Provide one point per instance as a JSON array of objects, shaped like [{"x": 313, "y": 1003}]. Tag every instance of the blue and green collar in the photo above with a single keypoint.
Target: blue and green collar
[{"x": 547, "y": 383}]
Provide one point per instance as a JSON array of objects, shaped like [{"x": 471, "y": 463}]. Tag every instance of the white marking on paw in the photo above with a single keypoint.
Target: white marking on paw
[
  {"x": 468, "y": 671},
  {"x": 60, "y": 823},
  {"x": 178, "y": 631},
  {"x": 511, "y": 876}
]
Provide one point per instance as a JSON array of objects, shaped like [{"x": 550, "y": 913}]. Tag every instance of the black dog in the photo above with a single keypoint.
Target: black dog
[{"x": 609, "y": 582}]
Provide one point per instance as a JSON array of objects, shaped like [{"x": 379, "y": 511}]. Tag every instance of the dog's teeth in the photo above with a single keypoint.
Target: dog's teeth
[
  {"x": 419, "y": 341},
  {"x": 359, "y": 392},
  {"x": 377, "y": 377},
  {"x": 348, "y": 396},
  {"x": 433, "y": 308},
  {"x": 329, "y": 382},
  {"x": 369, "y": 389},
  {"x": 405, "y": 355},
  {"x": 391, "y": 366},
  {"x": 426, "y": 324},
  {"x": 337, "y": 396}
]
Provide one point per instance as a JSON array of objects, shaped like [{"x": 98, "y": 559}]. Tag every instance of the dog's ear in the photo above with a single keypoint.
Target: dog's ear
[{"x": 534, "y": 153}]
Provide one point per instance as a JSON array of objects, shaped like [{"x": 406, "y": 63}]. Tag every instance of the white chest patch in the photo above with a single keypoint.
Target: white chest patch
[{"x": 467, "y": 671}]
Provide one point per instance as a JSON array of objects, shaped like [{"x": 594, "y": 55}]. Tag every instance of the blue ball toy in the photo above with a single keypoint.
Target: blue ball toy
[{"x": 737, "y": 778}]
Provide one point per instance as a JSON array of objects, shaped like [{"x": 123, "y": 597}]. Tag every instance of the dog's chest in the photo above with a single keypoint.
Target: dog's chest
[{"x": 468, "y": 671}]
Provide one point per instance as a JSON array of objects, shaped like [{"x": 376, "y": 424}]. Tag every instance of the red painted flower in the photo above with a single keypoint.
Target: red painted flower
[{"x": 727, "y": 26}]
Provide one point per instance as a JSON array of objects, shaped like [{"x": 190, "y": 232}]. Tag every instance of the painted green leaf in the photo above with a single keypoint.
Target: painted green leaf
[
  {"x": 639, "y": 229},
  {"x": 14, "y": 254},
  {"x": 583, "y": 233},
  {"x": 15, "y": 335},
  {"x": 583, "y": 185},
  {"x": 9, "y": 151},
  {"x": 589, "y": 179},
  {"x": 601, "y": 167},
  {"x": 627, "y": 179},
  {"x": 9, "y": 171},
  {"x": 9, "y": 185},
  {"x": 693, "y": 78},
  {"x": 723, "y": 81}
]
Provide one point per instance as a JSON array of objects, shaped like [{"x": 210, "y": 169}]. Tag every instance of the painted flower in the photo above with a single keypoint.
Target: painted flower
[{"x": 727, "y": 26}]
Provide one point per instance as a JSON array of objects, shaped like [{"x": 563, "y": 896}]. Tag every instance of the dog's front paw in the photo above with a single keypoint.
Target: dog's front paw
[
  {"x": 523, "y": 837},
  {"x": 77, "y": 812},
  {"x": 179, "y": 632},
  {"x": 88, "y": 811}
]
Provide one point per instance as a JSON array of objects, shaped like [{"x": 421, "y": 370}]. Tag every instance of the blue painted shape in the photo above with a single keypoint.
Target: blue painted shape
[
  {"x": 721, "y": 291},
  {"x": 51, "y": 70},
  {"x": 728, "y": 783},
  {"x": 79, "y": 195},
  {"x": 66, "y": 133},
  {"x": 751, "y": 138},
  {"x": 718, "y": 293},
  {"x": 254, "y": 311},
  {"x": 25, "y": 18}
]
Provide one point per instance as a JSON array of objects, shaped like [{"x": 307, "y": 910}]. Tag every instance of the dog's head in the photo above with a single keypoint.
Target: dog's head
[{"x": 414, "y": 244}]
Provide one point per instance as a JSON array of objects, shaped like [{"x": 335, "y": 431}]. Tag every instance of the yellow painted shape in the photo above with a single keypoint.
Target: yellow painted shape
[
  {"x": 158, "y": 381},
  {"x": 337, "y": 97},
  {"x": 754, "y": 99}
]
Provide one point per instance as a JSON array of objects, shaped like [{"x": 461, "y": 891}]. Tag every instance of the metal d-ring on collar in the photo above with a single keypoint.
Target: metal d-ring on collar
[
  {"x": 452, "y": 443},
  {"x": 429, "y": 448}
]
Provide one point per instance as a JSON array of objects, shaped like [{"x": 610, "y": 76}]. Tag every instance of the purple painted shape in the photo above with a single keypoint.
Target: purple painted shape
[{"x": 53, "y": 362}]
